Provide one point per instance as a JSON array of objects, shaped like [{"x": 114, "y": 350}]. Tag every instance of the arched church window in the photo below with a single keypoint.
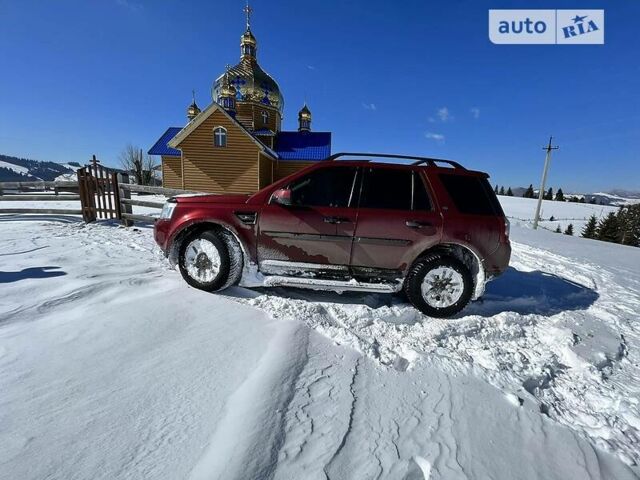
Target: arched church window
[{"x": 220, "y": 137}]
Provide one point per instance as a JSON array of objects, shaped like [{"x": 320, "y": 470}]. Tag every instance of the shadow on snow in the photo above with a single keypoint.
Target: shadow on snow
[
  {"x": 531, "y": 293},
  {"x": 33, "y": 272},
  {"x": 524, "y": 293}
]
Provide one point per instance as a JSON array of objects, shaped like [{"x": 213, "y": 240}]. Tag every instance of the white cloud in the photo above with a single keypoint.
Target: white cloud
[
  {"x": 369, "y": 106},
  {"x": 311, "y": 67},
  {"x": 444, "y": 114},
  {"x": 475, "y": 111},
  {"x": 431, "y": 120},
  {"x": 438, "y": 137}
]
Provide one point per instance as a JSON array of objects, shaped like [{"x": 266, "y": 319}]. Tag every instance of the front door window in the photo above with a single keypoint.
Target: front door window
[{"x": 317, "y": 229}]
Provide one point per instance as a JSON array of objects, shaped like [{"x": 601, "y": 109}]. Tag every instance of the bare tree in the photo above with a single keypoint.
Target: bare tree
[{"x": 140, "y": 165}]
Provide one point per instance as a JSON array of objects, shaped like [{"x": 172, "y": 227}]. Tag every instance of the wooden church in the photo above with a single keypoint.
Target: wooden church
[{"x": 236, "y": 144}]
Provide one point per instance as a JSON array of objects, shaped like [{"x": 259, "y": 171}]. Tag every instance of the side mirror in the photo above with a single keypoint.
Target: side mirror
[{"x": 282, "y": 196}]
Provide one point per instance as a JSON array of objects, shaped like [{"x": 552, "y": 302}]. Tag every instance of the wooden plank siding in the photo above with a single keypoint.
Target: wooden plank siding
[
  {"x": 171, "y": 172},
  {"x": 266, "y": 170},
  {"x": 230, "y": 169},
  {"x": 250, "y": 115},
  {"x": 287, "y": 167}
]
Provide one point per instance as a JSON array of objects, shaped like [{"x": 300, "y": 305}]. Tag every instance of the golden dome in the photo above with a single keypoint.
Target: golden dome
[
  {"x": 250, "y": 82},
  {"x": 304, "y": 119},
  {"x": 304, "y": 113},
  {"x": 248, "y": 38},
  {"x": 193, "y": 110}
]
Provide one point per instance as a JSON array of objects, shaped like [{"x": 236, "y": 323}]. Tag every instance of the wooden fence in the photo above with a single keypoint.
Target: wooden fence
[
  {"x": 49, "y": 192},
  {"x": 99, "y": 192},
  {"x": 126, "y": 202}
]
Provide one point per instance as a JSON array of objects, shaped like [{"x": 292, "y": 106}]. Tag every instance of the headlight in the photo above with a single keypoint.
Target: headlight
[{"x": 167, "y": 209}]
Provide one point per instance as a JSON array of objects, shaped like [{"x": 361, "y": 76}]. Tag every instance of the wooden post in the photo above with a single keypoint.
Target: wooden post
[
  {"x": 87, "y": 200},
  {"x": 124, "y": 194}
]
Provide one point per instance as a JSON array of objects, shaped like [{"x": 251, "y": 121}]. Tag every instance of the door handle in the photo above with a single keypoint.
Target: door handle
[
  {"x": 336, "y": 220},
  {"x": 417, "y": 224}
]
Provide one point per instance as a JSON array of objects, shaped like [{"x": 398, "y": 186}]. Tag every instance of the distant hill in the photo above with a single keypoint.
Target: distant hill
[
  {"x": 624, "y": 193},
  {"x": 14, "y": 169}
]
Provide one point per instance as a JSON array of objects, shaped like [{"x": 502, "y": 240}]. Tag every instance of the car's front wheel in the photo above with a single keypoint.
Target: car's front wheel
[
  {"x": 204, "y": 261},
  {"x": 439, "y": 285}
]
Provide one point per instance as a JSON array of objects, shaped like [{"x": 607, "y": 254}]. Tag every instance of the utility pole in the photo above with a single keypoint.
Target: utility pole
[{"x": 547, "y": 161}]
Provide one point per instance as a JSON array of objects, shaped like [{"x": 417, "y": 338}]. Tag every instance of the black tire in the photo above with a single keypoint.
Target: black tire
[
  {"x": 418, "y": 272},
  {"x": 219, "y": 277}
]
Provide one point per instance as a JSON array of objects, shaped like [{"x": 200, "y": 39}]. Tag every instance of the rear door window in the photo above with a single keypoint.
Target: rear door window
[
  {"x": 471, "y": 195},
  {"x": 394, "y": 189}
]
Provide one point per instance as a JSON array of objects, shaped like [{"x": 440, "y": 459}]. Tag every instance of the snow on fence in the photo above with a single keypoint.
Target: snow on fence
[{"x": 41, "y": 191}]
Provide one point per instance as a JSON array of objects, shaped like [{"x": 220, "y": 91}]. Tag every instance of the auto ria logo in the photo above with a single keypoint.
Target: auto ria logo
[{"x": 565, "y": 27}]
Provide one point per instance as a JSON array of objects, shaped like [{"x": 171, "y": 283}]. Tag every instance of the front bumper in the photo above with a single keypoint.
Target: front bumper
[{"x": 161, "y": 234}]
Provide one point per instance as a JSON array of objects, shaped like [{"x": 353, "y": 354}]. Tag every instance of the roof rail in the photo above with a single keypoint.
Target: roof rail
[{"x": 431, "y": 162}]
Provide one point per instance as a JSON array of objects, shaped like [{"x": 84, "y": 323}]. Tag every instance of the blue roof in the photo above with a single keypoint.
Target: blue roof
[
  {"x": 161, "y": 147},
  {"x": 303, "y": 145},
  {"x": 265, "y": 132}
]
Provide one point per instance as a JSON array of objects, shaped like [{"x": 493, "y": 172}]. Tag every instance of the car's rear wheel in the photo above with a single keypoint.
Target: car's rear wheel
[
  {"x": 439, "y": 285},
  {"x": 204, "y": 261}
]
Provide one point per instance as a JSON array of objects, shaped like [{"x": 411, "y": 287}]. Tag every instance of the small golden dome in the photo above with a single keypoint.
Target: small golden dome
[
  {"x": 193, "y": 109},
  {"x": 248, "y": 38},
  {"x": 304, "y": 113},
  {"x": 304, "y": 119}
]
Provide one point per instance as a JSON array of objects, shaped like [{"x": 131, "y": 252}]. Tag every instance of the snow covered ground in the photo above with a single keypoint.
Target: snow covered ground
[
  {"x": 523, "y": 210},
  {"x": 112, "y": 367}
]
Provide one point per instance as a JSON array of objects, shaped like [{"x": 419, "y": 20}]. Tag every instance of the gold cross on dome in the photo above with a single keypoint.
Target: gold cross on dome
[{"x": 248, "y": 11}]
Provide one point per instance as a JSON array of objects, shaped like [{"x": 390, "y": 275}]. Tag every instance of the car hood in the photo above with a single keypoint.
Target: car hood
[{"x": 211, "y": 198}]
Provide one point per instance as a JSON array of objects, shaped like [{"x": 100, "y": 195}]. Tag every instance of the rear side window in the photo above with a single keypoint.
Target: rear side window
[
  {"x": 326, "y": 187},
  {"x": 386, "y": 188},
  {"x": 471, "y": 195},
  {"x": 394, "y": 189}
]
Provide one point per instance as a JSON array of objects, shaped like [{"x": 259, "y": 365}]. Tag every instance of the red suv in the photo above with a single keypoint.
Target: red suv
[{"x": 437, "y": 233}]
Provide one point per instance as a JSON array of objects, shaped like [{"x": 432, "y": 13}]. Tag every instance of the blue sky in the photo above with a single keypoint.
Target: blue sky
[{"x": 414, "y": 77}]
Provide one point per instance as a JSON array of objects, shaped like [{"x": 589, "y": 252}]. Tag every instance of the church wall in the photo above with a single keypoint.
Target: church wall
[
  {"x": 230, "y": 169},
  {"x": 171, "y": 172},
  {"x": 266, "y": 170},
  {"x": 250, "y": 115},
  {"x": 284, "y": 168}
]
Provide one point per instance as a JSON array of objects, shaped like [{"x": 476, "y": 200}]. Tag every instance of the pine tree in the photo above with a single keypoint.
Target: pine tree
[
  {"x": 569, "y": 229},
  {"x": 528, "y": 192},
  {"x": 501, "y": 190},
  {"x": 609, "y": 229},
  {"x": 509, "y": 192},
  {"x": 559, "y": 195},
  {"x": 549, "y": 194},
  {"x": 558, "y": 229},
  {"x": 581, "y": 200},
  {"x": 590, "y": 229},
  {"x": 496, "y": 189},
  {"x": 629, "y": 223},
  {"x": 552, "y": 218}
]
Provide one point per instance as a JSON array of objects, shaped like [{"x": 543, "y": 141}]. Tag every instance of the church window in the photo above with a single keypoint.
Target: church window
[
  {"x": 220, "y": 137},
  {"x": 265, "y": 117}
]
